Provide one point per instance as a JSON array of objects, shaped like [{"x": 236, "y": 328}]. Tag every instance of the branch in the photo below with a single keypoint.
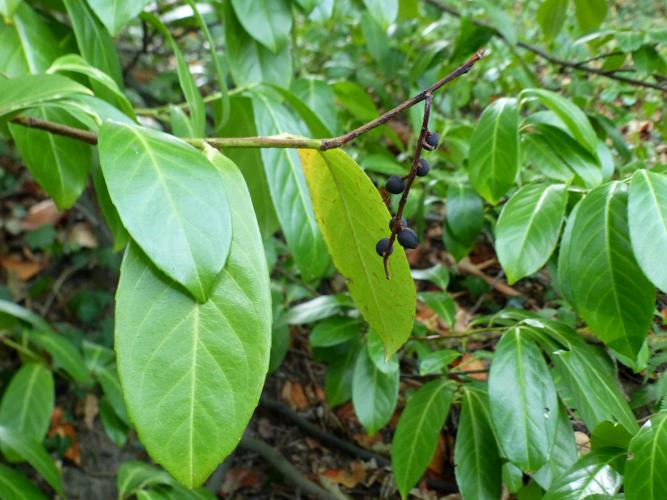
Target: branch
[
  {"x": 282, "y": 465},
  {"x": 279, "y": 141},
  {"x": 578, "y": 66}
]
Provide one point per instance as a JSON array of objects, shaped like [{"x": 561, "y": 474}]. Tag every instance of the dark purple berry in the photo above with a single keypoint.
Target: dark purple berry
[
  {"x": 431, "y": 141},
  {"x": 383, "y": 247},
  {"x": 423, "y": 168},
  {"x": 404, "y": 223},
  {"x": 407, "y": 238},
  {"x": 395, "y": 185}
]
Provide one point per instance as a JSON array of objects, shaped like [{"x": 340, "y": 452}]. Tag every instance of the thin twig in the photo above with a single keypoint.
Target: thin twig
[
  {"x": 282, "y": 465},
  {"x": 551, "y": 58},
  {"x": 280, "y": 141}
]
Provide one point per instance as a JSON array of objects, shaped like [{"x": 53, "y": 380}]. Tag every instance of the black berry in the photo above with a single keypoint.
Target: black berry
[
  {"x": 404, "y": 223},
  {"x": 383, "y": 247},
  {"x": 431, "y": 141},
  {"x": 395, "y": 185},
  {"x": 407, "y": 238},
  {"x": 423, "y": 168}
]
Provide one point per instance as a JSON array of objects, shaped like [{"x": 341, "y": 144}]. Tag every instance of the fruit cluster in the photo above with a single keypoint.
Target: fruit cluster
[{"x": 396, "y": 185}]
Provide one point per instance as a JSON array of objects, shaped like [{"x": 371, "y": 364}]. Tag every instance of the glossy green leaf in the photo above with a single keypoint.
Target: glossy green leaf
[
  {"x": 493, "y": 161},
  {"x": 94, "y": 42},
  {"x": 442, "y": 304},
  {"x": 15, "y": 486},
  {"x": 647, "y": 461},
  {"x": 647, "y": 218},
  {"x": 109, "y": 212},
  {"x": 606, "y": 284},
  {"x": 551, "y": 17},
  {"x": 563, "y": 453},
  {"x": 352, "y": 217},
  {"x": 306, "y": 112},
  {"x": 8, "y": 7},
  {"x": 438, "y": 275},
  {"x": 465, "y": 212},
  {"x": 65, "y": 355},
  {"x": 437, "y": 361},
  {"x": 416, "y": 436},
  {"x": 528, "y": 228},
  {"x": 249, "y": 61},
  {"x": 76, "y": 64},
  {"x": 114, "y": 427},
  {"x": 108, "y": 378},
  {"x": 339, "y": 375},
  {"x": 524, "y": 404},
  {"x": 250, "y": 162},
  {"x": 578, "y": 366},
  {"x": 570, "y": 114},
  {"x": 357, "y": 101},
  {"x": 26, "y": 315},
  {"x": 115, "y": 14},
  {"x": 134, "y": 476},
  {"x": 267, "y": 21},
  {"x": 334, "y": 331},
  {"x": 384, "y": 11},
  {"x": 185, "y": 78},
  {"x": 32, "y": 452},
  {"x": 171, "y": 200},
  {"x": 318, "y": 96},
  {"x": 476, "y": 453},
  {"x": 192, "y": 416},
  {"x": 374, "y": 393},
  {"x": 590, "y": 13},
  {"x": 27, "y": 91},
  {"x": 60, "y": 164},
  {"x": 610, "y": 435},
  {"x": 375, "y": 347},
  {"x": 596, "y": 473},
  {"x": 27, "y": 402},
  {"x": 289, "y": 191},
  {"x": 556, "y": 154}
]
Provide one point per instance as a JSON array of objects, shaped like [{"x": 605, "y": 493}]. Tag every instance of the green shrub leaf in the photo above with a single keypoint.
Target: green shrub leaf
[
  {"x": 16, "y": 486},
  {"x": 115, "y": 14},
  {"x": 171, "y": 200},
  {"x": 352, "y": 217},
  {"x": 192, "y": 372},
  {"x": 647, "y": 461},
  {"x": 267, "y": 21},
  {"x": 596, "y": 473}
]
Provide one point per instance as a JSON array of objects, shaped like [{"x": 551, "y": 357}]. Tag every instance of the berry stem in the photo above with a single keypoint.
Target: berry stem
[{"x": 428, "y": 98}]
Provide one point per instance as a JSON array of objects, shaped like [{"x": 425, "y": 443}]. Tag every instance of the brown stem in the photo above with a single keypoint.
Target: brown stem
[
  {"x": 282, "y": 141},
  {"x": 578, "y": 66},
  {"x": 396, "y": 226}
]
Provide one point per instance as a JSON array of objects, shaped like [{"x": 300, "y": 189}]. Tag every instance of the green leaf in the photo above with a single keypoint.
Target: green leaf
[
  {"x": 25, "y": 315},
  {"x": 134, "y": 476},
  {"x": 115, "y": 14},
  {"x": 593, "y": 474},
  {"x": 590, "y": 13},
  {"x": 8, "y": 7},
  {"x": 334, "y": 331},
  {"x": 28, "y": 91},
  {"x": 493, "y": 161},
  {"x": 95, "y": 43},
  {"x": 171, "y": 200},
  {"x": 64, "y": 354},
  {"x": 438, "y": 275},
  {"x": 250, "y": 163},
  {"x": 267, "y": 21},
  {"x": 465, "y": 212},
  {"x": 383, "y": 11},
  {"x": 185, "y": 78},
  {"x": 606, "y": 284},
  {"x": 610, "y": 435},
  {"x": 76, "y": 64},
  {"x": 108, "y": 378},
  {"x": 563, "y": 454},
  {"x": 289, "y": 191},
  {"x": 476, "y": 454},
  {"x": 352, "y": 217},
  {"x": 437, "y": 361},
  {"x": 15, "y": 486},
  {"x": 355, "y": 100},
  {"x": 114, "y": 427},
  {"x": 60, "y": 164},
  {"x": 27, "y": 403},
  {"x": 192, "y": 415},
  {"x": 578, "y": 366},
  {"x": 339, "y": 375},
  {"x": 647, "y": 461},
  {"x": 34, "y": 453},
  {"x": 374, "y": 393},
  {"x": 250, "y": 62},
  {"x": 524, "y": 404},
  {"x": 556, "y": 154},
  {"x": 570, "y": 114},
  {"x": 528, "y": 228},
  {"x": 318, "y": 96},
  {"x": 306, "y": 112},
  {"x": 442, "y": 304},
  {"x": 551, "y": 17},
  {"x": 416, "y": 436},
  {"x": 647, "y": 217},
  {"x": 386, "y": 364},
  {"x": 120, "y": 234}
]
